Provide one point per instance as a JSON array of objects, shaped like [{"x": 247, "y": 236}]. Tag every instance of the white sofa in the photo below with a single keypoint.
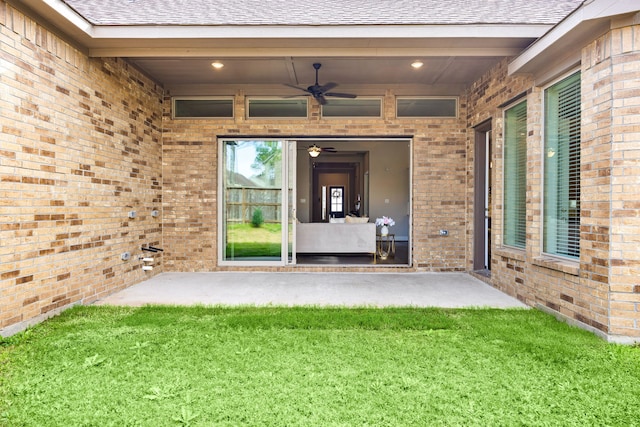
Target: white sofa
[{"x": 336, "y": 238}]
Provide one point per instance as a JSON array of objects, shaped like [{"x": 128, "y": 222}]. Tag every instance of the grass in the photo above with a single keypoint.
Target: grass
[
  {"x": 244, "y": 240},
  {"x": 214, "y": 366}
]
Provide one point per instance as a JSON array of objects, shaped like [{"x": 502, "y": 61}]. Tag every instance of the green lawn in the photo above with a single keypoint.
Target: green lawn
[
  {"x": 246, "y": 241},
  {"x": 171, "y": 366}
]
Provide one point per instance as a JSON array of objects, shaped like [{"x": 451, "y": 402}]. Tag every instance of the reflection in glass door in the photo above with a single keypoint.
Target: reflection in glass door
[
  {"x": 256, "y": 192},
  {"x": 291, "y": 162}
]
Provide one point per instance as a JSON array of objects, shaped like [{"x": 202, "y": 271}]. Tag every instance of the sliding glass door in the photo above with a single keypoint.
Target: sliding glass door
[{"x": 257, "y": 194}]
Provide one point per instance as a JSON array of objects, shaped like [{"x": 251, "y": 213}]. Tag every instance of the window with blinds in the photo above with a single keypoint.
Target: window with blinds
[
  {"x": 561, "y": 235},
  {"x": 515, "y": 176}
]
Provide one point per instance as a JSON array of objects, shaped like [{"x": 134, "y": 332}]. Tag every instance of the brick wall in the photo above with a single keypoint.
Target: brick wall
[
  {"x": 79, "y": 148},
  {"x": 610, "y": 230},
  {"x": 537, "y": 280},
  {"x": 602, "y": 290},
  {"x": 510, "y": 269},
  {"x": 190, "y": 152},
  {"x": 84, "y": 141}
]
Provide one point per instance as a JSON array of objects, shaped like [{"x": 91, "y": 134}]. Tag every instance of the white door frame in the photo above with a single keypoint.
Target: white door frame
[{"x": 288, "y": 167}]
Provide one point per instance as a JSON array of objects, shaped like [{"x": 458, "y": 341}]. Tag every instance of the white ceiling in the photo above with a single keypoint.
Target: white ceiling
[{"x": 439, "y": 75}]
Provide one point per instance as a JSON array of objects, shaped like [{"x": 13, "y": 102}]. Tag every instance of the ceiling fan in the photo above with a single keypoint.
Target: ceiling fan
[
  {"x": 320, "y": 92},
  {"x": 314, "y": 150}
]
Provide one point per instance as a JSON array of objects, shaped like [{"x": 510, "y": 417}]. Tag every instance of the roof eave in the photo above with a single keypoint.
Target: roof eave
[
  {"x": 361, "y": 40},
  {"x": 180, "y": 40},
  {"x": 557, "y": 48}
]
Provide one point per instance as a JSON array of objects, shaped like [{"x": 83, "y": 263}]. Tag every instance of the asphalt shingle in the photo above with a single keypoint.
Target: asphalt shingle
[{"x": 322, "y": 12}]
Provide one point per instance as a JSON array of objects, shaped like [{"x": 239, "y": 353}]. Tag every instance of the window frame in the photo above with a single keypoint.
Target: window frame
[{"x": 545, "y": 154}]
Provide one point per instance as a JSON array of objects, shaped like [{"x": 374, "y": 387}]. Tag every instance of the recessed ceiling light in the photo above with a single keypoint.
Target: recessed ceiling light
[
  {"x": 217, "y": 65},
  {"x": 417, "y": 64}
]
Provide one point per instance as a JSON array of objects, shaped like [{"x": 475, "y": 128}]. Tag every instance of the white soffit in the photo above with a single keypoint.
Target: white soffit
[
  {"x": 558, "y": 46},
  {"x": 295, "y": 41}
]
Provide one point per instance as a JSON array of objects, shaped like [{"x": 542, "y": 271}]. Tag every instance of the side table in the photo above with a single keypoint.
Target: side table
[{"x": 386, "y": 245}]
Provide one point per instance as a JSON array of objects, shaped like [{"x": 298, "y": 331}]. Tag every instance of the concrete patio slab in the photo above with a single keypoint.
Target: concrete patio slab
[{"x": 451, "y": 290}]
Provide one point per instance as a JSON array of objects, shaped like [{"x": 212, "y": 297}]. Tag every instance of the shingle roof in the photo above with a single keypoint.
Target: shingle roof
[{"x": 322, "y": 12}]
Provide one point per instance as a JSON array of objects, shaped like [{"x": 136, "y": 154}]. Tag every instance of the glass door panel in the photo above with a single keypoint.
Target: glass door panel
[
  {"x": 252, "y": 199},
  {"x": 291, "y": 202}
]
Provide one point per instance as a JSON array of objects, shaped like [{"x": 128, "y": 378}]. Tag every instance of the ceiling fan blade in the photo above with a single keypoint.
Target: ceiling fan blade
[
  {"x": 329, "y": 149},
  {"x": 340, "y": 95},
  {"x": 321, "y": 99},
  {"x": 328, "y": 86},
  {"x": 296, "y": 87}
]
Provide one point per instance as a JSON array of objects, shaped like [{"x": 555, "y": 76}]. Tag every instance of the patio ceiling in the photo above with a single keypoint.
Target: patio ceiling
[
  {"x": 362, "y": 75},
  {"x": 260, "y": 59}
]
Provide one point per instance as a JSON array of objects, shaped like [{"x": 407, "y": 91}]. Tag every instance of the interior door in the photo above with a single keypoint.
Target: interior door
[{"x": 328, "y": 177}]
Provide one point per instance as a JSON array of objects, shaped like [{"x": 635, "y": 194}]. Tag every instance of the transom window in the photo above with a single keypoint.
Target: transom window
[
  {"x": 276, "y": 108},
  {"x": 426, "y": 107},
  {"x": 200, "y": 107},
  {"x": 359, "y": 107}
]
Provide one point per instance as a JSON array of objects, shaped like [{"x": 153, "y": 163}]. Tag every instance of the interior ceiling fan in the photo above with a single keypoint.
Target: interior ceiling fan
[
  {"x": 319, "y": 92},
  {"x": 314, "y": 150}
]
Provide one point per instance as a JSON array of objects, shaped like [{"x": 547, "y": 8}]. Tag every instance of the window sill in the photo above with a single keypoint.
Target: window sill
[
  {"x": 559, "y": 264},
  {"x": 511, "y": 253}
]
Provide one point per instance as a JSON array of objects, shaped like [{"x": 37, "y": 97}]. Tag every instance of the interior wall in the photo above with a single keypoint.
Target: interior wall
[
  {"x": 389, "y": 189},
  {"x": 80, "y": 149},
  {"x": 389, "y": 178}
]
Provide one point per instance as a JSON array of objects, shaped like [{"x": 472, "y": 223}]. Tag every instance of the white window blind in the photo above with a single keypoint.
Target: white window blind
[
  {"x": 515, "y": 176},
  {"x": 562, "y": 168}
]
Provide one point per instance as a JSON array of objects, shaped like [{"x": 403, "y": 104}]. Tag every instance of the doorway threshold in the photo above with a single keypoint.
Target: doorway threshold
[
  {"x": 351, "y": 265},
  {"x": 485, "y": 272}
]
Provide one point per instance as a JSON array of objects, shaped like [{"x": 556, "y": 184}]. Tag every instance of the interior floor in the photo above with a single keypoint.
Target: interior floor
[{"x": 401, "y": 257}]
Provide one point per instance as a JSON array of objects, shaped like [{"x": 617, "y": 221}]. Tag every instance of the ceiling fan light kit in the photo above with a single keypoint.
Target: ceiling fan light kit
[
  {"x": 320, "y": 92},
  {"x": 314, "y": 151}
]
